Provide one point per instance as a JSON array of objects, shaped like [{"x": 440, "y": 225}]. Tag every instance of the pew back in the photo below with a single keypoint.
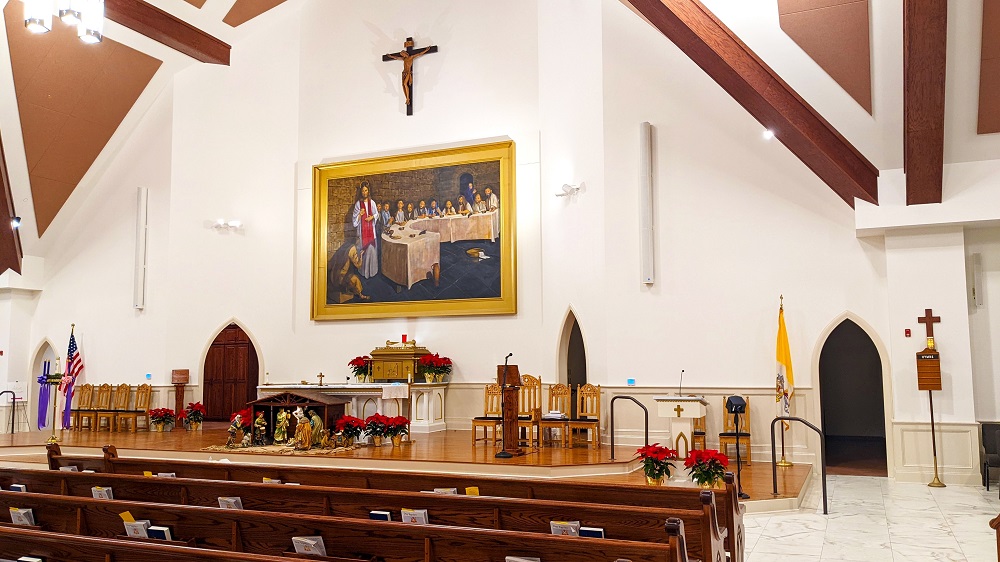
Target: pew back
[{"x": 271, "y": 533}]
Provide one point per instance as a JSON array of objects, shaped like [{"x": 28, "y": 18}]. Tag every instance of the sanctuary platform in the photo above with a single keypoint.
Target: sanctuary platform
[{"x": 441, "y": 452}]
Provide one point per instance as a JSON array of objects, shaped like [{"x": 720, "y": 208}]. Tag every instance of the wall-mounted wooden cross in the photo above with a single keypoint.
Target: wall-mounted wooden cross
[
  {"x": 678, "y": 409},
  {"x": 408, "y": 55},
  {"x": 928, "y": 320}
]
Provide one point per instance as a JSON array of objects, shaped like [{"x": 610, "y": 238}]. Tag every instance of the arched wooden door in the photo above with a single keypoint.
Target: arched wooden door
[{"x": 231, "y": 374}]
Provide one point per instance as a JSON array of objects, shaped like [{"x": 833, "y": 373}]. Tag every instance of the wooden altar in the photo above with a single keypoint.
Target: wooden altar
[{"x": 396, "y": 361}]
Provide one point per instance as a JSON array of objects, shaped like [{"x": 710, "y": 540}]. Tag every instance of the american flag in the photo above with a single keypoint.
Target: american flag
[{"x": 74, "y": 365}]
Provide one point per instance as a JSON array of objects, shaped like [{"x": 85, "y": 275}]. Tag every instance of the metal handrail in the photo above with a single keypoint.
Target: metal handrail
[
  {"x": 13, "y": 406},
  {"x": 822, "y": 455},
  {"x": 645, "y": 413}
]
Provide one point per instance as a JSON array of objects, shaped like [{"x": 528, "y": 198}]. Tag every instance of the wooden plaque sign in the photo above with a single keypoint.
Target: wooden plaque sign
[{"x": 928, "y": 370}]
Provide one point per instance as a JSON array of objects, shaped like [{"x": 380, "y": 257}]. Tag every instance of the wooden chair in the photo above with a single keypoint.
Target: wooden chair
[
  {"x": 142, "y": 397},
  {"x": 119, "y": 403},
  {"x": 729, "y": 437},
  {"x": 698, "y": 437},
  {"x": 492, "y": 414},
  {"x": 102, "y": 404},
  {"x": 529, "y": 410},
  {"x": 559, "y": 397},
  {"x": 588, "y": 414},
  {"x": 84, "y": 408}
]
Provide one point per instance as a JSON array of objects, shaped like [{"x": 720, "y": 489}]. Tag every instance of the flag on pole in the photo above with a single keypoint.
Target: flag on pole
[
  {"x": 74, "y": 369},
  {"x": 785, "y": 384}
]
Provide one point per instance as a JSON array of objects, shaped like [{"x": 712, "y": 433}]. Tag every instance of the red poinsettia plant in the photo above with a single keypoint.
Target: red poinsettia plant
[
  {"x": 359, "y": 365},
  {"x": 706, "y": 466},
  {"x": 656, "y": 460},
  {"x": 398, "y": 425},
  {"x": 434, "y": 364},
  {"x": 350, "y": 426},
  {"x": 246, "y": 417},
  {"x": 161, "y": 415},
  {"x": 377, "y": 425},
  {"x": 195, "y": 412}
]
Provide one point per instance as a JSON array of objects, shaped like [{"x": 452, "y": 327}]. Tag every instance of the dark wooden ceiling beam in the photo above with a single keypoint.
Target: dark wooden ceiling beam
[
  {"x": 164, "y": 28},
  {"x": 925, "y": 47},
  {"x": 10, "y": 239},
  {"x": 741, "y": 73}
]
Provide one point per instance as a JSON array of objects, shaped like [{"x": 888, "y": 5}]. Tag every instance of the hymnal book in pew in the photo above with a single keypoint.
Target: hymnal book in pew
[
  {"x": 230, "y": 502},
  {"x": 447, "y": 491},
  {"x": 18, "y": 488},
  {"x": 472, "y": 491},
  {"x": 418, "y": 516},
  {"x": 271, "y": 480},
  {"x": 309, "y": 545},
  {"x": 68, "y": 469},
  {"x": 166, "y": 475},
  {"x": 89, "y": 472},
  {"x": 565, "y": 528},
  {"x": 100, "y": 493},
  {"x": 592, "y": 532},
  {"x": 159, "y": 532},
  {"x": 522, "y": 559},
  {"x": 137, "y": 529},
  {"x": 380, "y": 515},
  {"x": 30, "y": 559},
  {"x": 20, "y": 516}
]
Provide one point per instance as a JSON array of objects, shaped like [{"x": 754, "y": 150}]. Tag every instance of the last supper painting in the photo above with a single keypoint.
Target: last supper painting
[{"x": 416, "y": 234}]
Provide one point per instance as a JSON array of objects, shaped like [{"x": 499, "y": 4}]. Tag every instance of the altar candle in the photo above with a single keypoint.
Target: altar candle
[{"x": 404, "y": 338}]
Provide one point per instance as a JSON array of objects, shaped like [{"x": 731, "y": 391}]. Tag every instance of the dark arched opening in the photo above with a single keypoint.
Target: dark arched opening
[{"x": 852, "y": 403}]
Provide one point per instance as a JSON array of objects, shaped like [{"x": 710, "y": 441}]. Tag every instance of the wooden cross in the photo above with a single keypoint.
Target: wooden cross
[
  {"x": 678, "y": 409},
  {"x": 928, "y": 319},
  {"x": 408, "y": 55},
  {"x": 320, "y": 377}
]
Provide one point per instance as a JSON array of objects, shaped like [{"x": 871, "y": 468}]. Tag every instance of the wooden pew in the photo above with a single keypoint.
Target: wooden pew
[
  {"x": 703, "y": 536},
  {"x": 730, "y": 511},
  {"x": 58, "y": 547},
  {"x": 271, "y": 533}
]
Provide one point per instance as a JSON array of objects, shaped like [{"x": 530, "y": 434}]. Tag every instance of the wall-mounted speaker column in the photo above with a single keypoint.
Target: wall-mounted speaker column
[
  {"x": 647, "y": 269},
  {"x": 977, "y": 279},
  {"x": 141, "y": 230}
]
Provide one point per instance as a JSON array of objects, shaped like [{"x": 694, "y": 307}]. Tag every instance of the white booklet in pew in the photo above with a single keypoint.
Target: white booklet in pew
[
  {"x": 21, "y": 516},
  {"x": 100, "y": 493},
  {"x": 418, "y": 516},
  {"x": 522, "y": 559},
  {"x": 230, "y": 502},
  {"x": 309, "y": 545},
  {"x": 565, "y": 528},
  {"x": 137, "y": 529}
]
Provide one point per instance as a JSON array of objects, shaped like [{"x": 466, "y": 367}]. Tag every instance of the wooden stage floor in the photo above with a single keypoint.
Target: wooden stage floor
[{"x": 447, "y": 451}]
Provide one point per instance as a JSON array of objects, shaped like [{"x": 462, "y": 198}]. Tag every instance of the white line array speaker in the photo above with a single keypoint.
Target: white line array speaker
[
  {"x": 647, "y": 264},
  {"x": 977, "y": 279},
  {"x": 141, "y": 230}
]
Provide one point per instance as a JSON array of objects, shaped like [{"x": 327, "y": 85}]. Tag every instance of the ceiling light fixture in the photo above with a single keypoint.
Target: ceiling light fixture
[
  {"x": 768, "y": 134},
  {"x": 86, "y": 15},
  {"x": 223, "y": 224},
  {"x": 15, "y": 222}
]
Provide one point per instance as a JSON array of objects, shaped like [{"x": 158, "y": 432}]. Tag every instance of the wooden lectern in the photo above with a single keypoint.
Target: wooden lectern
[
  {"x": 509, "y": 379},
  {"x": 180, "y": 378}
]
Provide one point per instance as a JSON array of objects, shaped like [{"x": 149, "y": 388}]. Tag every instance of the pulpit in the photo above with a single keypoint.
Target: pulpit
[
  {"x": 509, "y": 378},
  {"x": 681, "y": 411}
]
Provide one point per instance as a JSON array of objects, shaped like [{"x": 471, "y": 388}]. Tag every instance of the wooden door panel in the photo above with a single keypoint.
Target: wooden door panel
[{"x": 230, "y": 373}]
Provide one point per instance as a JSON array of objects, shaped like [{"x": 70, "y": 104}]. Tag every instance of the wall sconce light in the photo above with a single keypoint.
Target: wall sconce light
[
  {"x": 223, "y": 224},
  {"x": 568, "y": 189},
  {"x": 15, "y": 222}
]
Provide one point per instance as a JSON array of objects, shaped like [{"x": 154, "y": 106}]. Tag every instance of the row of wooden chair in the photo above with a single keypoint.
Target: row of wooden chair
[
  {"x": 95, "y": 406},
  {"x": 530, "y": 415}
]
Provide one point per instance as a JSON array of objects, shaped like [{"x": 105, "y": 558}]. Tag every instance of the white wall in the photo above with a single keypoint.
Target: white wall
[{"x": 984, "y": 321}]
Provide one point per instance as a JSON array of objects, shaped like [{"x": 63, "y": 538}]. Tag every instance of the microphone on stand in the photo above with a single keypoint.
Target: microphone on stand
[{"x": 680, "y": 384}]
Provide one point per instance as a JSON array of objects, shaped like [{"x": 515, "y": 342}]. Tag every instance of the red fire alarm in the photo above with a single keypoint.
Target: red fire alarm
[{"x": 907, "y": 332}]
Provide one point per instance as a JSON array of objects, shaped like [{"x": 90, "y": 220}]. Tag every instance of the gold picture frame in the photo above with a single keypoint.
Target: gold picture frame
[{"x": 453, "y": 258}]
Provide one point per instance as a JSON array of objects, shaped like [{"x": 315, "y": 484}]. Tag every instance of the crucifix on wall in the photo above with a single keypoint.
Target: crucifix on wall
[{"x": 408, "y": 55}]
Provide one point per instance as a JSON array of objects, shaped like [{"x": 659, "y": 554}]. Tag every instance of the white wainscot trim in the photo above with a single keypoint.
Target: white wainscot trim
[{"x": 957, "y": 446}]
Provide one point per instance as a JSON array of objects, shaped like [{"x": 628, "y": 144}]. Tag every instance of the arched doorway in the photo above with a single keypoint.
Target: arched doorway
[
  {"x": 852, "y": 402},
  {"x": 230, "y": 374},
  {"x": 574, "y": 358}
]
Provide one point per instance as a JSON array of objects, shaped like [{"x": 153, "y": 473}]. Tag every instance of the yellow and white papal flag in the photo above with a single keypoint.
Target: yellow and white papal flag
[{"x": 785, "y": 383}]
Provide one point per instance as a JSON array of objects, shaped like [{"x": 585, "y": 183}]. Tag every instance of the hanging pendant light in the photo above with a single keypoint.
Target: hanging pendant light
[
  {"x": 38, "y": 15},
  {"x": 91, "y": 27},
  {"x": 70, "y": 11}
]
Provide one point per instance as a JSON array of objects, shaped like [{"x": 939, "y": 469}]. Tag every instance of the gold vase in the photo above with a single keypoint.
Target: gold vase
[
  {"x": 428, "y": 377},
  {"x": 651, "y": 481},
  {"x": 194, "y": 426},
  {"x": 158, "y": 427},
  {"x": 377, "y": 440},
  {"x": 709, "y": 485},
  {"x": 397, "y": 440}
]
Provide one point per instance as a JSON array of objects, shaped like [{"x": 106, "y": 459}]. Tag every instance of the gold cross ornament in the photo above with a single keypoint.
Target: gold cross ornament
[{"x": 678, "y": 409}]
